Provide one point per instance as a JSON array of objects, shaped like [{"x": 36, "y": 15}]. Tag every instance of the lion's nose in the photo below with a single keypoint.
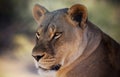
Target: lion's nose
[{"x": 38, "y": 57}]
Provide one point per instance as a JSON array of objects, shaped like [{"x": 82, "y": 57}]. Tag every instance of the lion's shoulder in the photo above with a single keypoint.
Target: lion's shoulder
[{"x": 113, "y": 50}]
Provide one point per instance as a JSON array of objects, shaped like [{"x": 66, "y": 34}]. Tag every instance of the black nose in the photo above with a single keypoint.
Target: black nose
[{"x": 37, "y": 57}]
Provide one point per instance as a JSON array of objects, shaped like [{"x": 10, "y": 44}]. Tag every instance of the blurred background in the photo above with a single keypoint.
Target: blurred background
[{"x": 17, "y": 30}]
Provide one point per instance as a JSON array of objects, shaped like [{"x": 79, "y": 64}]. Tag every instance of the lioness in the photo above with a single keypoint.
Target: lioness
[{"x": 69, "y": 45}]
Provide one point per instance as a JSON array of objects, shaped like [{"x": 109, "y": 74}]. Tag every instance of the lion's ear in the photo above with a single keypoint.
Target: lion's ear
[
  {"x": 78, "y": 14},
  {"x": 38, "y": 11}
]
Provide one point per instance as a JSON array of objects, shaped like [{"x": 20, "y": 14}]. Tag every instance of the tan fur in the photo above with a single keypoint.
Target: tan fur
[{"x": 68, "y": 39}]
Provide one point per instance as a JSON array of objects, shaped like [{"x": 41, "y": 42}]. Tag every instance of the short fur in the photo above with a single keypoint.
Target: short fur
[{"x": 69, "y": 45}]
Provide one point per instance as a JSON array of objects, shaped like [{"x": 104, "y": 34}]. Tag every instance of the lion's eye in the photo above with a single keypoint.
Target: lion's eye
[
  {"x": 57, "y": 35},
  {"x": 37, "y": 35}
]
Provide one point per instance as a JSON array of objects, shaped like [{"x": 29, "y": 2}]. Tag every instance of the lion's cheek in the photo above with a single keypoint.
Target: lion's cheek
[
  {"x": 60, "y": 58},
  {"x": 71, "y": 52}
]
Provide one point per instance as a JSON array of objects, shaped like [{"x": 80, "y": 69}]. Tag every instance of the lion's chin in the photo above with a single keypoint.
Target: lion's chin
[
  {"x": 53, "y": 68},
  {"x": 47, "y": 73}
]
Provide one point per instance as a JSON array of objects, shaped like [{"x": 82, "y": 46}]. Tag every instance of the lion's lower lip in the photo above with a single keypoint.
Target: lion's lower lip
[{"x": 54, "y": 68}]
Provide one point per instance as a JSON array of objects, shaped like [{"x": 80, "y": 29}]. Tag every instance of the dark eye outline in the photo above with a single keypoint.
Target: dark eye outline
[
  {"x": 57, "y": 35},
  {"x": 37, "y": 34}
]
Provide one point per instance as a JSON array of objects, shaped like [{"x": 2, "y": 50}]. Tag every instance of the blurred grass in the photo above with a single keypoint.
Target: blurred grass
[{"x": 19, "y": 33}]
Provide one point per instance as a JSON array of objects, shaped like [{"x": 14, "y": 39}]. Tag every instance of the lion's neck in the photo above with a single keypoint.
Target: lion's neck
[
  {"x": 94, "y": 35},
  {"x": 92, "y": 38}
]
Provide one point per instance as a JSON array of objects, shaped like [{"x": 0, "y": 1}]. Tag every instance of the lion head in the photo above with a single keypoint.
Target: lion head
[{"x": 61, "y": 36}]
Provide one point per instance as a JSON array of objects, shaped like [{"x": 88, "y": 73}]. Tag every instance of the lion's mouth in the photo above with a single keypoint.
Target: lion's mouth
[{"x": 54, "y": 68}]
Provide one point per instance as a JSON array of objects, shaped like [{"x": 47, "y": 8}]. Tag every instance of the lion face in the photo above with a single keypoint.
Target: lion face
[{"x": 59, "y": 36}]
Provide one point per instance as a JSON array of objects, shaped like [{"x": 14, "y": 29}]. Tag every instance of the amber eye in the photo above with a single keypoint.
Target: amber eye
[
  {"x": 57, "y": 35},
  {"x": 37, "y": 35}
]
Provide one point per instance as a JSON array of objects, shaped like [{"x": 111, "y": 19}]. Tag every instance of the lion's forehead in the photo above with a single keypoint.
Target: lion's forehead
[
  {"x": 55, "y": 20},
  {"x": 55, "y": 17}
]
